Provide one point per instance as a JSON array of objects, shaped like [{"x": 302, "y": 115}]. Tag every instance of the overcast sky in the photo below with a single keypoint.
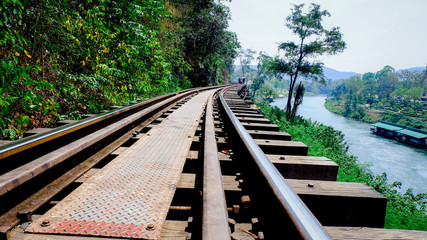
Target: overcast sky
[{"x": 377, "y": 32}]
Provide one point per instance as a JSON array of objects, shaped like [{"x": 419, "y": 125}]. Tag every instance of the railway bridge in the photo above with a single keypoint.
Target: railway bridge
[{"x": 195, "y": 164}]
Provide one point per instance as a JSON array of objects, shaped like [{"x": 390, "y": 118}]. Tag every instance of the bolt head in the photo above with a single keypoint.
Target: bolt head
[
  {"x": 45, "y": 223},
  {"x": 150, "y": 227}
]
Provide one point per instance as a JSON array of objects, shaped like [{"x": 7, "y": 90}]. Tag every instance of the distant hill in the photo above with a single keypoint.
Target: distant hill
[
  {"x": 412, "y": 69},
  {"x": 329, "y": 73},
  {"x": 333, "y": 74}
]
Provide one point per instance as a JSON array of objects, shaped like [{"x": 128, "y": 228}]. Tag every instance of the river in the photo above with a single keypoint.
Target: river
[{"x": 401, "y": 162}]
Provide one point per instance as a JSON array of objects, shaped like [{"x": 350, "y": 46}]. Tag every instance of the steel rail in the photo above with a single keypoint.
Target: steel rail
[
  {"x": 16, "y": 177},
  {"x": 9, "y": 219},
  {"x": 215, "y": 216},
  {"x": 32, "y": 141},
  {"x": 305, "y": 222}
]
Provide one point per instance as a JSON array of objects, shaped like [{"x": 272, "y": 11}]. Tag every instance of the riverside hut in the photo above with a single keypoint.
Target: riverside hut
[
  {"x": 401, "y": 133},
  {"x": 386, "y": 129},
  {"x": 413, "y": 137}
]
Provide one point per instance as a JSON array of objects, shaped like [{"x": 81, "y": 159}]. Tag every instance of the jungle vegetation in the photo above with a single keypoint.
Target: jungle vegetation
[
  {"x": 385, "y": 95},
  {"x": 61, "y": 59}
]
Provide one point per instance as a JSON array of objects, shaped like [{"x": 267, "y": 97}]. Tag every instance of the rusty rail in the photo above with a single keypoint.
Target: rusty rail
[
  {"x": 33, "y": 141},
  {"x": 18, "y": 176},
  {"x": 215, "y": 216},
  {"x": 306, "y": 223},
  {"x": 37, "y": 197}
]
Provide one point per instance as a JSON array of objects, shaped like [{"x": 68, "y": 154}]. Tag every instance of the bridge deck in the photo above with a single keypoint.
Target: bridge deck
[{"x": 130, "y": 197}]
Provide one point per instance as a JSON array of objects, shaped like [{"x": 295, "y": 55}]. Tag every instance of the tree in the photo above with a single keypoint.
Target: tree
[
  {"x": 207, "y": 45},
  {"x": 387, "y": 81},
  {"x": 245, "y": 58},
  {"x": 415, "y": 93},
  {"x": 300, "y": 57},
  {"x": 262, "y": 73}
]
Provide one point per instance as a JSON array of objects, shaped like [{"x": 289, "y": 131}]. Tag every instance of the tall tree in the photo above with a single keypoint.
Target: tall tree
[
  {"x": 245, "y": 58},
  {"x": 387, "y": 81},
  {"x": 314, "y": 40},
  {"x": 262, "y": 73},
  {"x": 208, "y": 46}
]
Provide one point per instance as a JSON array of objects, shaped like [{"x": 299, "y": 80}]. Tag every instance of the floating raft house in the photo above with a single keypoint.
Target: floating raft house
[{"x": 401, "y": 133}]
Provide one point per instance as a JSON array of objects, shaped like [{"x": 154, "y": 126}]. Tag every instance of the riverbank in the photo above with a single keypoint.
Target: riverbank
[
  {"x": 364, "y": 114},
  {"x": 404, "y": 211}
]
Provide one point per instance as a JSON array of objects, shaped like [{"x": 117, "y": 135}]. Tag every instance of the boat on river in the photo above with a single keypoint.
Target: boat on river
[{"x": 401, "y": 133}]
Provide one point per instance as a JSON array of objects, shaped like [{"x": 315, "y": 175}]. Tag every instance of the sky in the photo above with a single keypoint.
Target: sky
[{"x": 377, "y": 32}]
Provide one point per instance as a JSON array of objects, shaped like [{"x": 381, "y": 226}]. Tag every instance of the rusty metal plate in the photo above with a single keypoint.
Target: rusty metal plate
[{"x": 131, "y": 195}]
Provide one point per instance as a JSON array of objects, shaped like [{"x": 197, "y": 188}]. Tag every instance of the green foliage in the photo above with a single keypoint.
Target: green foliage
[
  {"x": 209, "y": 48},
  {"x": 314, "y": 40},
  {"x": 262, "y": 74},
  {"x": 62, "y": 59},
  {"x": 404, "y": 211},
  {"x": 245, "y": 58},
  {"x": 385, "y": 95}
]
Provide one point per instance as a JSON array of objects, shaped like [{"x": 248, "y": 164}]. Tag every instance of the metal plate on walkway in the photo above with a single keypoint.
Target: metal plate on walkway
[{"x": 130, "y": 196}]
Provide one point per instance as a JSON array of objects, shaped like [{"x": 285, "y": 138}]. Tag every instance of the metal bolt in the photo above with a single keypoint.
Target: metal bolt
[
  {"x": 310, "y": 185},
  {"x": 45, "y": 223},
  {"x": 24, "y": 215},
  {"x": 232, "y": 224},
  {"x": 236, "y": 209},
  {"x": 150, "y": 227}
]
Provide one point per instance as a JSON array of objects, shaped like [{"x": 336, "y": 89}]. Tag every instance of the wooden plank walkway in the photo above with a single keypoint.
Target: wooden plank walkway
[{"x": 130, "y": 197}]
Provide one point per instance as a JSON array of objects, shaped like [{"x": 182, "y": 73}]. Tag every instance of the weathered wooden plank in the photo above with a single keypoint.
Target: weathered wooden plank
[
  {"x": 83, "y": 178},
  {"x": 247, "y": 111},
  {"x": 65, "y": 122},
  {"x": 269, "y": 135},
  {"x": 89, "y": 115},
  {"x": 223, "y": 157},
  {"x": 342, "y": 203},
  {"x": 36, "y": 131},
  {"x": 344, "y": 233},
  {"x": 251, "y": 115},
  {"x": 193, "y": 155},
  {"x": 119, "y": 150},
  {"x": 282, "y": 147},
  {"x": 253, "y": 120},
  {"x": 242, "y": 107},
  {"x": 188, "y": 180},
  {"x": 305, "y": 167},
  {"x": 4, "y": 142},
  {"x": 260, "y": 126}
]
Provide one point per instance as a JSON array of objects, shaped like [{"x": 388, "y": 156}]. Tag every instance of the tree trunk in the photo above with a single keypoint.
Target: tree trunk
[
  {"x": 299, "y": 94},
  {"x": 290, "y": 94}
]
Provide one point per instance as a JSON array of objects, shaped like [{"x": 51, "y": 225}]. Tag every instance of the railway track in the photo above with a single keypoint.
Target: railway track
[{"x": 226, "y": 180}]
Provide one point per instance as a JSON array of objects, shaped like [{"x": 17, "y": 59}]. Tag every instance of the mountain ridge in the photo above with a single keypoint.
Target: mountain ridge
[{"x": 333, "y": 74}]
